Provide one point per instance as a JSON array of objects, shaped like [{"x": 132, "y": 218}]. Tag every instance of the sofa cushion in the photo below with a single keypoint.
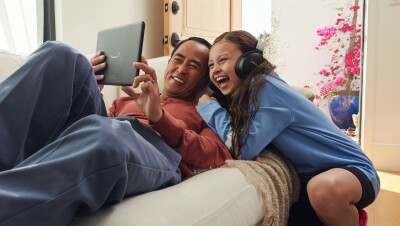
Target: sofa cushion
[
  {"x": 217, "y": 197},
  {"x": 9, "y": 62},
  {"x": 159, "y": 64},
  {"x": 307, "y": 93}
]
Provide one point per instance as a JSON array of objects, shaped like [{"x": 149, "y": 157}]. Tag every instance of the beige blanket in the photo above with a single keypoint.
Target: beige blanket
[{"x": 276, "y": 181}]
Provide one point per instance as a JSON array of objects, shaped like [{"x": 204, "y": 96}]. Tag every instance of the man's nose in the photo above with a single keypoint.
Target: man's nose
[{"x": 182, "y": 69}]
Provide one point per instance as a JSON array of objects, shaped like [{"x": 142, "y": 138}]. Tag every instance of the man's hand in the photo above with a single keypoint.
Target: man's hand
[
  {"x": 98, "y": 63},
  {"x": 204, "y": 98},
  {"x": 149, "y": 99}
]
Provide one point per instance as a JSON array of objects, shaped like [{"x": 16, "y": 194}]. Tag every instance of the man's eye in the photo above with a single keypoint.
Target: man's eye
[{"x": 194, "y": 66}]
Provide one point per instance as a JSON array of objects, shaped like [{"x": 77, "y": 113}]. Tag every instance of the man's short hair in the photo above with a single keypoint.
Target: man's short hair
[{"x": 196, "y": 39}]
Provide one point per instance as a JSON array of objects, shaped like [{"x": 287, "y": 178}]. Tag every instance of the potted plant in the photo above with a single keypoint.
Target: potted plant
[{"x": 340, "y": 78}]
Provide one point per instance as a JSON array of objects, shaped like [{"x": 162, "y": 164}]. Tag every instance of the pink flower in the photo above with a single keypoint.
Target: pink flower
[
  {"x": 346, "y": 28},
  {"x": 324, "y": 72},
  {"x": 339, "y": 80},
  {"x": 339, "y": 20},
  {"x": 343, "y": 39},
  {"x": 355, "y": 8}
]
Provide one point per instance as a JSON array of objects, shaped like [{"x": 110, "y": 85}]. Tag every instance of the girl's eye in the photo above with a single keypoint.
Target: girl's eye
[{"x": 210, "y": 66}]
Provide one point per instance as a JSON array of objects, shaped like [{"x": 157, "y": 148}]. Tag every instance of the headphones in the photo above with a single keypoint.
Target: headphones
[{"x": 249, "y": 61}]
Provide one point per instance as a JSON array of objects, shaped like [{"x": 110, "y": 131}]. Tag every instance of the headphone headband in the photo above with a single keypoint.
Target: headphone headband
[{"x": 260, "y": 47}]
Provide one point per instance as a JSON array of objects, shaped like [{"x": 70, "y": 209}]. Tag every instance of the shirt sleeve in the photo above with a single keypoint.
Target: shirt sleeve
[
  {"x": 112, "y": 110},
  {"x": 117, "y": 105},
  {"x": 198, "y": 150},
  {"x": 272, "y": 117}
]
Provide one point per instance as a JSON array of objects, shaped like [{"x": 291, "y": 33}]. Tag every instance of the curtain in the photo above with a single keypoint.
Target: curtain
[{"x": 21, "y": 25}]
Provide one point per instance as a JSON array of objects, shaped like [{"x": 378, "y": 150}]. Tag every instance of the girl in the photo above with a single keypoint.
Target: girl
[{"x": 254, "y": 107}]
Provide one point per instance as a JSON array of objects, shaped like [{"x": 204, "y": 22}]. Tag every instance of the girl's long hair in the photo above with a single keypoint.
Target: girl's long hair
[{"x": 243, "y": 104}]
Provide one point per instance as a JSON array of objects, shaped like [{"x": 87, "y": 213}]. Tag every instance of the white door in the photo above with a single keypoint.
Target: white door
[{"x": 202, "y": 18}]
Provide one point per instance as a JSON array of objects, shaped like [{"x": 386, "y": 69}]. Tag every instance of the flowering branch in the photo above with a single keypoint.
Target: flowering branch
[{"x": 343, "y": 39}]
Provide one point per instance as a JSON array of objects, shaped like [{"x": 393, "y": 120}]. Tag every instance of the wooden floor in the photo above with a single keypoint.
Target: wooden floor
[{"x": 385, "y": 211}]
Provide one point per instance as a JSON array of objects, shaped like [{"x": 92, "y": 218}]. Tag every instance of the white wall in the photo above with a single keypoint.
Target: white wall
[
  {"x": 297, "y": 60},
  {"x": 79, "y": 21}
]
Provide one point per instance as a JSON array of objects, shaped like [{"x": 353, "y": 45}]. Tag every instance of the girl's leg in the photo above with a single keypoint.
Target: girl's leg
[
  {"x": 333, "y": 194},
  {"x": 53, "y": 88}
]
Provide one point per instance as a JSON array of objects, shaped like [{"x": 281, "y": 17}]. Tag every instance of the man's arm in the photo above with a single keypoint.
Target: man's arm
[{"x": 199, "y": 150}]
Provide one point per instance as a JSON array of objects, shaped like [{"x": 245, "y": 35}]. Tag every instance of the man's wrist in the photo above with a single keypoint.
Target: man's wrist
[{"x": 156, "y": 119}]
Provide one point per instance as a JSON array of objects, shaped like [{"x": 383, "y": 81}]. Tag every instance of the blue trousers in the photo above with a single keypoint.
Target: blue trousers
[{"x": 60, "y": 156}]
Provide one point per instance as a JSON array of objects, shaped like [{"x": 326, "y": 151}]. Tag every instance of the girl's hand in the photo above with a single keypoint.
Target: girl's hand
[
  {"x": 258, "y": 159},
  {"x": 204, "y": 98}
]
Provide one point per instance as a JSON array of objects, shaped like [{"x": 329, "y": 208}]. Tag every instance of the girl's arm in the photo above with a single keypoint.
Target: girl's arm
[{"x": 272, "y": 117}]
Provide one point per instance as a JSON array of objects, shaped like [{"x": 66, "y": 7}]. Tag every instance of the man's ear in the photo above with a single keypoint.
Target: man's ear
[{"x": 202, "y": 90}]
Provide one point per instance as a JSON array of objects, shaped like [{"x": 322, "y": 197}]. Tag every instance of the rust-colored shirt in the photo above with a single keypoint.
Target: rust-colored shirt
[{"x": 183, "y": 129}]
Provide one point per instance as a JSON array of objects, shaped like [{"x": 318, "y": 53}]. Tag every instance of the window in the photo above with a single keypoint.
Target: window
[{"x": 20, "y": 30}]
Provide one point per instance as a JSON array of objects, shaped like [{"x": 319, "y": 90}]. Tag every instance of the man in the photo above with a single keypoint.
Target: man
[
  {"x": 172, "y": 114},
  {"x": 60, "y": 157}
]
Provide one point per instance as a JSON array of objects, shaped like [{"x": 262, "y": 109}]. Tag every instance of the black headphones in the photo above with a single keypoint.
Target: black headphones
[{"x": 249, "y": 61}]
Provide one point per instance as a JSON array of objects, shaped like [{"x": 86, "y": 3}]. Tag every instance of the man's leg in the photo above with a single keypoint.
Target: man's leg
[
  {"x": 53, "y": 88},
  {"x": 95, "y": 161}
]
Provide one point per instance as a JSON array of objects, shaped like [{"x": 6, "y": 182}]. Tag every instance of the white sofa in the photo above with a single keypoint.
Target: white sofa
[{"x": 216, "y": 197}]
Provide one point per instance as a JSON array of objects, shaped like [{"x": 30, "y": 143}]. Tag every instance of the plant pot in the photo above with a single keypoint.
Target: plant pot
[{"x": 342, "y": 108}]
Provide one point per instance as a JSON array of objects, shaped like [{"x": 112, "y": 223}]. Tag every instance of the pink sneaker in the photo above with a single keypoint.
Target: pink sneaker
[{"x": 363, "y": 217}]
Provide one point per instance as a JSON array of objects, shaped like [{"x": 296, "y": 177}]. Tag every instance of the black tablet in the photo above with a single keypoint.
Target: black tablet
[{"x": 122, "y": 46}]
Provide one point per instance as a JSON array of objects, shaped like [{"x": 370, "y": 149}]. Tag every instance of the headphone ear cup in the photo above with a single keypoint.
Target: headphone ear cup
[{"x": 247, "y": 62}]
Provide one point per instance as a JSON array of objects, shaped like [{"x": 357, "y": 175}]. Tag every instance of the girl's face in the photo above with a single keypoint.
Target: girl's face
[{"x": 223, "y": 57}]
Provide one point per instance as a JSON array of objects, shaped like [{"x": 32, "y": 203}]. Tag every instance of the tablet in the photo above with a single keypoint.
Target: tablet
[{"x": 122, "y": 46}]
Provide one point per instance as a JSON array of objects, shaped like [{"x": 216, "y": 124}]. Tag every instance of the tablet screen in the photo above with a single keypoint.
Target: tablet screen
[{"x": 122, "y": 46}]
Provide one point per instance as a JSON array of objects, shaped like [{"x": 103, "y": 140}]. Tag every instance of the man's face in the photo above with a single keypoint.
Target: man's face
[{"x": 184, "y": 75}]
